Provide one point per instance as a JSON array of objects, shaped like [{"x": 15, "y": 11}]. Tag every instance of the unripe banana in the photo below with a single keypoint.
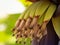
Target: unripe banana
[
  {"x": 40, "y": 19},
  {"x": 50, "y": 11},
  {"x": 37, "y": 16},
  {"x": 21, "y": 23},
  {"x": 31, "y": 15},
  {"x": 52, "y": 7},
  {"x": 36, "y": 27},
  {"x": 39, "y": 12},
  {"x": 49, "y": 14},
  {"x": 26, "y": 15},
  {"x": 20, "y": 18}
]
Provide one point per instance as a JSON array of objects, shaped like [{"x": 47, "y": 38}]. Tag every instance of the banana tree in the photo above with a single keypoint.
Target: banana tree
[{"x": 39, "y": 24}]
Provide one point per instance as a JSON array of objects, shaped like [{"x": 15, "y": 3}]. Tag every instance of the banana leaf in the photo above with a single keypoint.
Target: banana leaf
[{"x": 56, "y": 21}]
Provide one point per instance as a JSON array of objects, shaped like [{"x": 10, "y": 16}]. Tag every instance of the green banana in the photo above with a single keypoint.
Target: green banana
[
  {"x": 42, "y": 8},
  {"x": 37, "y": 16},
  {"x": 26, "y": 15},
  {"x": 33, "y": 11},
  {"x": 39, "y": 12},
  {"x": 46, "y": 17},
  {"x": 50, "y": 11},
  {"x": 36, "y": 28},
  {"x": 22, "y": 21},
  {"x": 49, "y": 14},
  {"x": 32, "y": 14},
  {"x": 24, "y": 18},
  {"x": 33, "y": 7},
  {"x": 20, "y": 18}
]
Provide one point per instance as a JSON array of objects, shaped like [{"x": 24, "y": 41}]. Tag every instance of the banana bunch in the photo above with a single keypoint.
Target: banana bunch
[{"x": 32, "y": 23}]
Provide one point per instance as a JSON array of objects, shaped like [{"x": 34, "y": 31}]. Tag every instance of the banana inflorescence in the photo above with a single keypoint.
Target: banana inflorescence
[{"x": 32, "y": 23}]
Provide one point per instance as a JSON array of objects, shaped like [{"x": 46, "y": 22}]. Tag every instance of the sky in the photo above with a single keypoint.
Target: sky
[{"x": 10, "y": 7}]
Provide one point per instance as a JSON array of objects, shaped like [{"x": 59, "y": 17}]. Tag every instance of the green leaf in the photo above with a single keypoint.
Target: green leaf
[
  {"x": 56, "y": 24},
  {"x": 10, "y": 22}
]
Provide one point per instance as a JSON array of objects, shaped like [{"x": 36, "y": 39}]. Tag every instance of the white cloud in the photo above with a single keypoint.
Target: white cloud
[{"x": 10, "y": 6}]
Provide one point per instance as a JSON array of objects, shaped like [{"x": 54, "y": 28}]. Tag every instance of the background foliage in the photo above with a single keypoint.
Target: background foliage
[{"x": 6, "y": 37}]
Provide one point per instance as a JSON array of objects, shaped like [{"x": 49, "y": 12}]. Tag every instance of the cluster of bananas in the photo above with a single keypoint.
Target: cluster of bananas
[{"x": 32, "y": 23}]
